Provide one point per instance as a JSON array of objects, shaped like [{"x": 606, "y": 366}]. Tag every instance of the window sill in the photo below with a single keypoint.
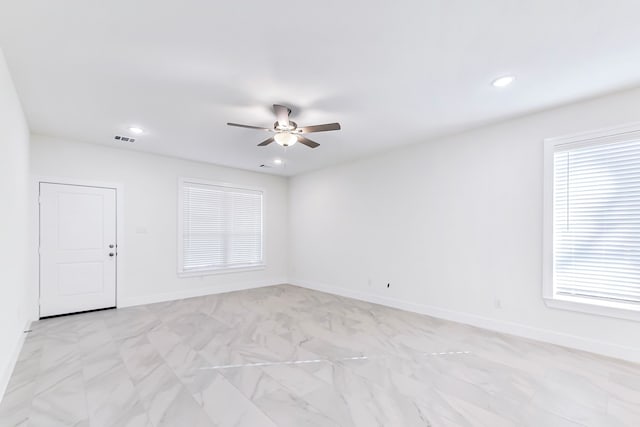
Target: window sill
[
  {"x": 212, "y": 272},
  {"x": 601, "y": 308}
]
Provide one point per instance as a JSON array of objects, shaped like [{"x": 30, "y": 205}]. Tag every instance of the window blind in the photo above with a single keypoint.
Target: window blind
[
  {"x": 596, "y": 221},
  {"x": 222, "y": 227}
]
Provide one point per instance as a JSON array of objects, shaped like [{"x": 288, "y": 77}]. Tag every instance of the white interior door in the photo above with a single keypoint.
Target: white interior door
[{"x": 77, "y": 248}]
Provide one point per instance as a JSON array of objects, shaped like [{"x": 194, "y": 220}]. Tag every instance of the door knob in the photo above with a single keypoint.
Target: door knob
[
  {"x": 111, "y": 246},
  {"x": 111, "y": 254}
]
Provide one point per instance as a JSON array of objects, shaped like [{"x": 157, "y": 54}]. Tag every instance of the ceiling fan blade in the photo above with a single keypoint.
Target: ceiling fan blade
[
  {"x": 320, "y": 128},
  {"x": 266, "y": 142},
  {"x": 282, "y": 114},
  {"x": 306, "y": 141},
  {"x": 249, "y": 127}
]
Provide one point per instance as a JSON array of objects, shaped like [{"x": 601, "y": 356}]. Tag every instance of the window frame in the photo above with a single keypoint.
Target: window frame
[
  {"x": 180, "y": 235},
  {"x": 583, "y": 305}
]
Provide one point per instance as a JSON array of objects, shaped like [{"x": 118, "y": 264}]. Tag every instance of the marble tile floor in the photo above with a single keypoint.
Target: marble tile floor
[{"x": 291, "y": 357}]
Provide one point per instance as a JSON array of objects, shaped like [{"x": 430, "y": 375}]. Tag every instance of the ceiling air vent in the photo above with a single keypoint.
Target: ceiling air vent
[{"x": 124, "y": 138}]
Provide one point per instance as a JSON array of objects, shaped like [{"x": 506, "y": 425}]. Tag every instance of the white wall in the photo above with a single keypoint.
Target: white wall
[
  {"x": 453, "y": 224},
  {"x": 148, "y": 254},
  {"x": 14, "y": 225}
]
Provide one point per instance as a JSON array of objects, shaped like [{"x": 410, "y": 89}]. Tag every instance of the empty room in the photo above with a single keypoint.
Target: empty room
[{"x": 320, "y": 214}]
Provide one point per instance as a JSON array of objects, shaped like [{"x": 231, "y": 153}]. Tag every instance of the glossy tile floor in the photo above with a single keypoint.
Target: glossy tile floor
[{"x": 286, "y": 356}]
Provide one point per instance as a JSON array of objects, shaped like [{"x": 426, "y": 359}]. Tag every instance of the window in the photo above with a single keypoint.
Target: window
[
  {"x": 220, "y": 228},
  {"x": 592, "y": 222}
]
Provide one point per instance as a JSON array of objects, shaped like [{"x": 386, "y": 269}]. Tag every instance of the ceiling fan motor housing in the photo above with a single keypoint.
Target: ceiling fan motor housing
[{"x": 292, "y": 126}]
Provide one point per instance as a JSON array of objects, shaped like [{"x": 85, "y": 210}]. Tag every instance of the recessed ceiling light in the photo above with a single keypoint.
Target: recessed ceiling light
[
  {"x": 136, "y": 130},
  {"x": 278, "y": 161},
  {"x": 503, "y": 81}
]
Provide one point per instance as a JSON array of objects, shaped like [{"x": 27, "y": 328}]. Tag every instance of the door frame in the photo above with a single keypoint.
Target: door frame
[{"x": 120, "y": 259}]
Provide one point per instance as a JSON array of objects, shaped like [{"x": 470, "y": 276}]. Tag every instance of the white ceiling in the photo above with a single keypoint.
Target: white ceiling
[{"x": 391, "y": 72}]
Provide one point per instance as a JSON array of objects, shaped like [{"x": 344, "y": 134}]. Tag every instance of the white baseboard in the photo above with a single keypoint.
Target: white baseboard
[
  {"x": 13, "y": 359},
  {"x": 566, "y": 340},
  {"x": 198, "y": 292}
]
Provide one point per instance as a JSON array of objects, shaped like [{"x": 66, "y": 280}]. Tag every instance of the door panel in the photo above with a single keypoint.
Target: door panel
[
  {"x": 77, "y": 264},
  {"x": 72, "y": 278},
  {"x": 84, "y": 234}
]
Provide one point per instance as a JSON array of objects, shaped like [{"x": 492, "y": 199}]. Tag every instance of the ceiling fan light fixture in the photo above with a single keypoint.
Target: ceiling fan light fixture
[
  {"x": 286, "y": 132},
  {"x": 285, "y": 139}
]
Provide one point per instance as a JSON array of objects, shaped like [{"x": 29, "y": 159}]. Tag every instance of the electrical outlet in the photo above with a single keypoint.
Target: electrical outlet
[{"x": 497, "y": 303}]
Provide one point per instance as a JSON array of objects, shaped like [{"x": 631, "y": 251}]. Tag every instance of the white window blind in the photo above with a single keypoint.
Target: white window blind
[
  {"x": 596, "y": 220},
  {"x": 221, "y": 227}
]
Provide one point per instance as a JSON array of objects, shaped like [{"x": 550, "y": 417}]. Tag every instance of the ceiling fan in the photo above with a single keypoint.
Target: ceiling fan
[{"x": 287, "y": 132}]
